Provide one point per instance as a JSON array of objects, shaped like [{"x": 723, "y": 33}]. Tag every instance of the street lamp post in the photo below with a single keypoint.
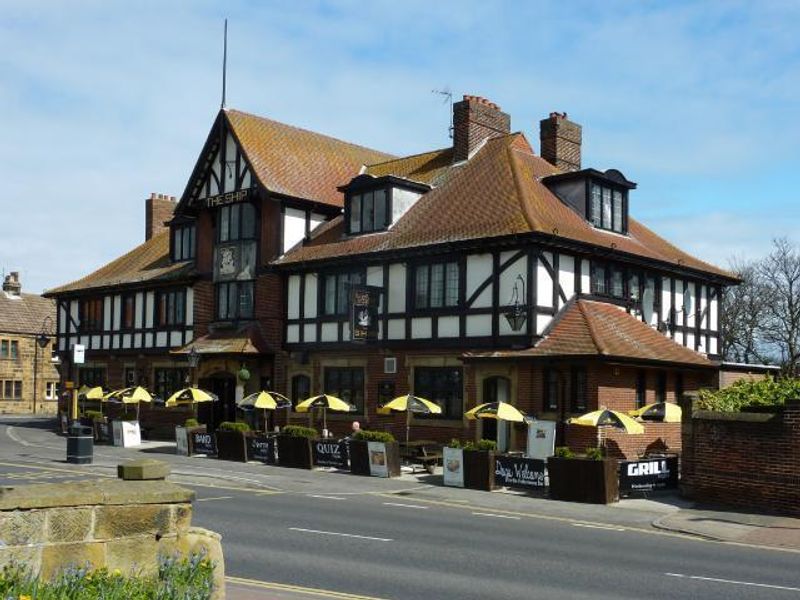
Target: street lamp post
[{"x": 41, "y": 342}]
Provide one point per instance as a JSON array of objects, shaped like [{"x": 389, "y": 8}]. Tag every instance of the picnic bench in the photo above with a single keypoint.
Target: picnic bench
[{"x": 421, "y": 452}]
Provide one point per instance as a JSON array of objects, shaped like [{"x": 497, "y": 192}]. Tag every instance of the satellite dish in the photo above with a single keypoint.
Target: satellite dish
[
  {"x": 647, "y": 305},
  {"x": 687, "y": 302}
]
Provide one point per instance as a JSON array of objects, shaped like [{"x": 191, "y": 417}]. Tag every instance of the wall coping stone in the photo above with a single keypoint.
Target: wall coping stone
[
  {"x": 143, "y": 469},
  {"x": 742, "y": 417}
]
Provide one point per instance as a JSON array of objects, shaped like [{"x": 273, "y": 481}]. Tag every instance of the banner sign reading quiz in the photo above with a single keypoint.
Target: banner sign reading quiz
[{"x": 331, "y": 453}]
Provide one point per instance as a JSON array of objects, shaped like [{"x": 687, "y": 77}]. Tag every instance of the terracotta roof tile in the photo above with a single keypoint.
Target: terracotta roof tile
[
  {"x": 588, "y": 328},
  {"x": 296, "y": 162},
  {"x": 25, "y": 313},
  {"x": 148, "y": 262},
  {"x": 247, "y": 339},
  {"x": 430, "y": 168}
]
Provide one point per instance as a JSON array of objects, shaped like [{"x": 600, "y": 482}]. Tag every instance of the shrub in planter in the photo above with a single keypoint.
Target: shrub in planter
[
  {"x": 480, "y": 465},
  {"x": 294, "y": 447},
  {"x": 191, "y": 423},
  {"x": 359, "y": 452},
  {"x": 232, "y": 440},
  {"x": 591, "y": 478}
]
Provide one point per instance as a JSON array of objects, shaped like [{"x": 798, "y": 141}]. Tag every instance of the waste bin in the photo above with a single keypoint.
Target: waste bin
[{"x": 80, "y": 445}]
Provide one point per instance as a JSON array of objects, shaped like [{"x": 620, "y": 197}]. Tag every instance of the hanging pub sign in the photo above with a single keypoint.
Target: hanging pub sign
[
  {"x": 648, "y": 474},
  {"x": 203, "y": 442},
  {"x": 364, "y": 301},
  {"x": 262, "y": 448},
  {"x": 331, "y": 453},
  {"x": 519, "y": 472}
]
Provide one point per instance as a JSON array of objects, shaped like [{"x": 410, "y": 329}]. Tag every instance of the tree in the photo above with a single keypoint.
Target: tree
[{"x": 743, "y": 314}]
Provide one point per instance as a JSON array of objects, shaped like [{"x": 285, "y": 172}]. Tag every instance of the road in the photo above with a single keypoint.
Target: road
[{"x": 404, "y": 540}]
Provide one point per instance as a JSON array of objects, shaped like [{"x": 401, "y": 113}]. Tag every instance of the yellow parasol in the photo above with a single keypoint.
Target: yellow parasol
[
  {"x": 410, "y": 404},
  {"x": 665, "y": 412},
  {"x": 502, "y": 411},
  {"x": 326, "y": 403},
  {"x": 609, "y": 417},
  {"x": 265, "y": 401}
]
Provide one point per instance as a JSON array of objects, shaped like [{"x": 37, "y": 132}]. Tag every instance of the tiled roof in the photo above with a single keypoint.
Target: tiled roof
[
  {"x": 498, "y": 192},
  {"x": 430, "y": 168},
  {"x": 148, "y": 262},
  {"x": 26, "y": 313},
  {"x": 299, "y": 163},
  {"x": 247, "y": 339},
  {"x": 588, "y": 328}
]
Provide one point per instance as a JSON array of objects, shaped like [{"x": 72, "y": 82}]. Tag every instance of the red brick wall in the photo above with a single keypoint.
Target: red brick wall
[
  {"x": 657, "y": 437},
  {"x": 741, "y": 460}
]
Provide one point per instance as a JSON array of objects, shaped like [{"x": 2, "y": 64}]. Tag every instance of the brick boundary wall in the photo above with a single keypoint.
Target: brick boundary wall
[
  {"x": 657, "y": 438},
  {"x": 744, "y": 460}
]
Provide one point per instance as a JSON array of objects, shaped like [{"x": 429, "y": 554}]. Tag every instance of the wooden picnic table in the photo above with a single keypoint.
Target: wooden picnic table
[{"x": 428, "y": 453}]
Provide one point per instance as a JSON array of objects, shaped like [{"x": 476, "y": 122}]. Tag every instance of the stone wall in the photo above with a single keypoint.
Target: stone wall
[
  {"x": 747, "y": 460},
  {"x": 125, "y": 525}
]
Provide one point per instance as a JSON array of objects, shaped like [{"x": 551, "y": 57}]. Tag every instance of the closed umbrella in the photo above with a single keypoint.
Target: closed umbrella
[
  {"x": 665, "y": 412},
  {"x": 609, "y": 417},
  {"x": 326, "y": 402},
  {"x": 502, "y": 411},
  {"x": 265, "y": 401},
  {"x": 410, "y": 404}
]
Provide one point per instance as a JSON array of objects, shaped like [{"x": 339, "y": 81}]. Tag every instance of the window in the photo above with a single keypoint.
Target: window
[
  {"x": 550, "y": 390},
  {"x": 607, "y": 281},
  {"x": 14, "y": 349},
  {"x": 578, "y": 389},
  {"x": 678, "y": 386},
  {"x": 169, "y": 380},
  {"x": 4, "y": 349},
  {"x": 183, "y": 242},
  {"x": 336, "y": 291},
  {"x": 436, "y": 285},
  {"x": 170, "y": 308},
  {"x": 598, "y": 280},
  {"x": 641, "y": 389},
  {"x": 616, "y": 283},
  {"x": 51, "y": 390},
  {"x": 607, "y": 208},
  {"x": 91, "y": 376},
  {"x": 235, "y": 300},
  {"x": 11, "y": 390},
  {"x": 128, "y": 311},
  {"x": 368, "y": 211},
  {"x": 17, "y": 390},
  {"x": 236, "y": 222},
  {"x": 301, "y": 388},
  {"x": 443, "y": 385},
  {"x": 346, "y": 383},
  {"x": 661, "y": 387},
  {"x": 91, "y": 314},
  {"x": 633, "y": 287}
]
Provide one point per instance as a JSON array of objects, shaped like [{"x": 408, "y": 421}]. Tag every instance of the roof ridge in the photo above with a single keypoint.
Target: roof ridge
[
  {"x": 406, "y": 157},
  {"x": 522, "y": 197},
  {"x": 590, "y": 326},
  {"x": 304, "y": 130}
]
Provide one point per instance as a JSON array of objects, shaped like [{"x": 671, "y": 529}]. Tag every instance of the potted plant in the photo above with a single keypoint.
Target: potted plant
[
  {"x": 591, "y": 477},
  {"x": 294, "y": 446},
  {"x": 232, "y": 440},
  {"x": 184, "y": 439},
  {"x": 479, "y": 465},
  {"x": 374, "y": 453}
]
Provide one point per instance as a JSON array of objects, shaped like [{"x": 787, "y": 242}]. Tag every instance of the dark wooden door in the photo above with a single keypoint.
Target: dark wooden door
[{"x": 214, "y": 413}]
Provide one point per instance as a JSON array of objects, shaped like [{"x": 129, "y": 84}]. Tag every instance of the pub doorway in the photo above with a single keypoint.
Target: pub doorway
[
  {"x": 496, "y": 389},
  {"x": 214, "y": 413}
]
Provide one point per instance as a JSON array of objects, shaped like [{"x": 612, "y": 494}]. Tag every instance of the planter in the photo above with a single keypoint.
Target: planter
[
  {"x": 479, "y": 470},
  {"x": 294, "y": 452},
  {"x": 583, "y": 480},
  {"x": 377, "y": 459},
  {"x": 184, "y": 440},
  {"x": 232, "y": 445}
]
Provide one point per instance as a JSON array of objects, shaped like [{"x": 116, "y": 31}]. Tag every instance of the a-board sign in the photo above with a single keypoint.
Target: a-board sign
[
  {"x": 648, "y": 474},
  {"x": 519, "y": 472},
  {"x": 262, "y": 449},
  {"x": 453, "y": 466},
  {"x": 331, "y": 453},
  {"x": 204, "y": 442}
]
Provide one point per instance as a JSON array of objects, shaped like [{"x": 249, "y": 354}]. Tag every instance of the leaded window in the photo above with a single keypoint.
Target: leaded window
[
  {"x": 436, "y": 285},
  {"x": 444, "y": 386},
  {"x": 346, "y": 383}
]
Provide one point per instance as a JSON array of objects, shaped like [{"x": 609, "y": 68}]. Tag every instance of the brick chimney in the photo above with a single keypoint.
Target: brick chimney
[
  {"x": 11, "y": 284},
  {"x": 561, "y": 141},
  {"x": 475, "y": 119},
  {"x": 158, "y": 209}
]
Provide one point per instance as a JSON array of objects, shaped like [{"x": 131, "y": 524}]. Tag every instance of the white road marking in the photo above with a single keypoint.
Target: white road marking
[
  {"x": 12, "y": 434},
  {"x": 214, "y": 498},
  {"x": 734, "y": 582},
  {"x": 592, "y": 526},
  {"x": 400, "y": 504},
  {"x": 496, "y": 516},
  {"x": 348, "y": 535},
  {"x": 325, "y": 497}
]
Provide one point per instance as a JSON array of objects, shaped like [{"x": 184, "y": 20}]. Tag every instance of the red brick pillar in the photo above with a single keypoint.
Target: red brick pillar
[{"x": 687, "y": 444}]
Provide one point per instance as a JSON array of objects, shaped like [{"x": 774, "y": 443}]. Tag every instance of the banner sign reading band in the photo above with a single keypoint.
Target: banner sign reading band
[
  {"x": 262, "y": 448},
  {"x": 647, "y": 475},
  {"x": 331, "y": 454},
  {"x": 204, "y": 443},
  {"x": 364, "y": 301},
  {"x": 519, "y": 472}
]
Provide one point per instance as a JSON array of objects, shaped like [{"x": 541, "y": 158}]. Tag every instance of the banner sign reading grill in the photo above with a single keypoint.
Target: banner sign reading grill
[
  {"x": 262, "y": 448},
  {"x": 648, "y": 474},
  {"x": 331, "y": 453},
  {"x": 364, "y": 301},
  {"x": 519, "y": 472},
  {"x": 204, "y": 443}
]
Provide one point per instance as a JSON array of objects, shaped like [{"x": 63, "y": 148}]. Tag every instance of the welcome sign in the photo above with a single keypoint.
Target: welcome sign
[
  {"x": 648, "y": 474},
  {"x": 519, "y": 472}
]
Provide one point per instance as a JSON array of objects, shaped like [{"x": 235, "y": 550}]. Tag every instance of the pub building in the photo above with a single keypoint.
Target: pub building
[{"x": 478, "y": 272}]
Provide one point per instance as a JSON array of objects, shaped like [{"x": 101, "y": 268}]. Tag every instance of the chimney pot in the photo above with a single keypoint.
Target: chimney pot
[
  {"x": 11, "y": 283},
  {"x": 561, "y": 141}
]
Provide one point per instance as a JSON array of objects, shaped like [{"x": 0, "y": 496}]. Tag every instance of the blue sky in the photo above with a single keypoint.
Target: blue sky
[{"x": 104, "y": 102}]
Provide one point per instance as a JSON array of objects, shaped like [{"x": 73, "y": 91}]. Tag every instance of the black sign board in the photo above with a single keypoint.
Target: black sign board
[
  {"x": 519, "y": 472},
  {"x": 102, "y": 431},
  {"x": 648, "y": 474},
  {"x": 331, "y": 453},
  {"x": 203, "y": 443},
  {"x": 364, "y": 312},
  {"x": 262, "y": 448}
]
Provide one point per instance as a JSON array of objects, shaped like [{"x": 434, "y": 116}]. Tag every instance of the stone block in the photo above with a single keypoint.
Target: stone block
[
  {"x": 181, "y": 516},
  {"x": 57, "y": 557},
  {"x": 23, "y": 527},
  {"x": 133, "y": 555},
  {"x": 69, "y": 524},
  {"x": 123, "y": 521},
  {"x": 28, "y": 556},
  {"x": 117, "y": 491},
  {"x": 46, "y": 495},
  {"x": 198, "y": 540},
  {"x": 143, "y": 469}
]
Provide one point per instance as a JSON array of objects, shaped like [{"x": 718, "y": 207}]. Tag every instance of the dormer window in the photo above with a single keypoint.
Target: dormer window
[
  {"x": 183, "y": 242},
  {"x": 607, "y": 208},
  {"x": 369, "y": 211},
  {"x": 374, "y": 203}
]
